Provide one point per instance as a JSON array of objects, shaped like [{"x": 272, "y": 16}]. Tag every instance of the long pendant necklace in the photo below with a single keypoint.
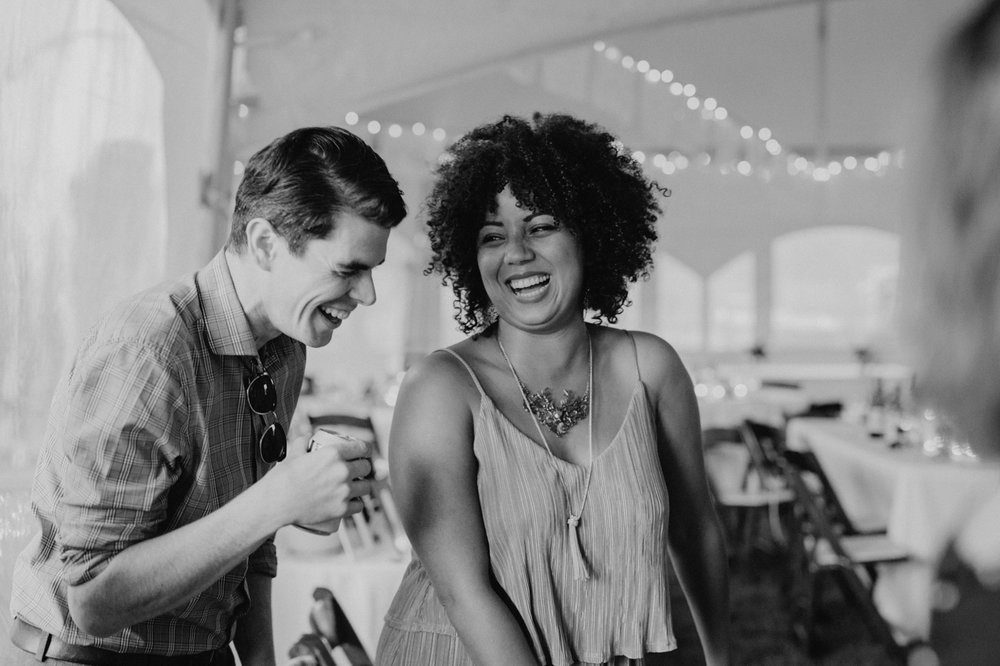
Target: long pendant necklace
[{"x": 580, "y": 570}]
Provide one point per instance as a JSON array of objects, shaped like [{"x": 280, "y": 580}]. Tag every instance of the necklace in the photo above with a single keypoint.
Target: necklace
[
  {"x": 580, "y": 571},
  {"x": 557, "y": 417}
]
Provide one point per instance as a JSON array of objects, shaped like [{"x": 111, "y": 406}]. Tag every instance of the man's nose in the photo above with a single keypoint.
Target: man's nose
[{"x": 363, "y": 290}]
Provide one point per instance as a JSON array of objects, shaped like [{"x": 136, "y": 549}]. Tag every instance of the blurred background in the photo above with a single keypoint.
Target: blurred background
[{"x": 780, "y": 126}]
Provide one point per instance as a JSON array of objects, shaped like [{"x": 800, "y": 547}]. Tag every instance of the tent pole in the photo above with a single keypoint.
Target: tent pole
[
  {"x": 822, "y": 74},
  {"x": 217, "y": 185}
]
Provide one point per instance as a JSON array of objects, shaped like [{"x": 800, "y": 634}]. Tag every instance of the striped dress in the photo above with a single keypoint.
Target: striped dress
[{"x": 617, "y": 616}]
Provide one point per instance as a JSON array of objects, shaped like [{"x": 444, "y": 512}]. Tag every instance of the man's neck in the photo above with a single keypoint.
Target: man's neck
[{"x": 246, "y": 280}]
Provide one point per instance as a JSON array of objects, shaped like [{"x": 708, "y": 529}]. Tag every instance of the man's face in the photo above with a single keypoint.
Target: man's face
[{"x": 308, "y": 296}]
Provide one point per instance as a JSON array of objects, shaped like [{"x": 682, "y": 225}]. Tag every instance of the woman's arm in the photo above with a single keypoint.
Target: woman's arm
[
  {"x": 433, "y": 473},
  {"x": 697, "y": 546}
]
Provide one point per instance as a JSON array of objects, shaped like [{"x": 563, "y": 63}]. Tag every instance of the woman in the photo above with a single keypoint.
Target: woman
[
  {"x": 536, "y": 463},
  {"x": 950, "y": 281}
]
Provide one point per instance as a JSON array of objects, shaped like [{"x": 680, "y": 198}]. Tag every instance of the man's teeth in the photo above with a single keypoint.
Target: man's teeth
[
  {"x": 334, "y": 313},
  {"x": 528, "y": 282}
]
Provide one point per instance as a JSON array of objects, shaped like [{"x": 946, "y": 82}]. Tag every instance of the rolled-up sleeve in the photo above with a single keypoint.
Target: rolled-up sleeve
[
  {"x": 123, "y": 440},
  {"x": 264, "y": 560}
]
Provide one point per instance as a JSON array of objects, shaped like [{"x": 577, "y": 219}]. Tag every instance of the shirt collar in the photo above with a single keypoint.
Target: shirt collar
[{"x": 226, "y": 327}]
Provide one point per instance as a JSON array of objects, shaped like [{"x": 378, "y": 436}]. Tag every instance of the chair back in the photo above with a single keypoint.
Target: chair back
[
  {"x": 824, "y": 493},
  {"x": 816, "y": 520},
  {"x": 830, "y": 551},
  {"x": 332, "y": 640},
  {"x": 764, "y": 444}
]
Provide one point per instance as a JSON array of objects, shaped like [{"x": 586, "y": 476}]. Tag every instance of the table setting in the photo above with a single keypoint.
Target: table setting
[{"x": 911, "y": 473}]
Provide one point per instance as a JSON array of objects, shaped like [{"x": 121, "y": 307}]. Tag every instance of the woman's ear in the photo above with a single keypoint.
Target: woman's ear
[{"x": 262, "y": 242}]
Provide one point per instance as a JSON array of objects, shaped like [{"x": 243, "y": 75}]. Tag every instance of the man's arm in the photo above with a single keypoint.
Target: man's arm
[
  {"x": 125, "y": 445},
  {"x": 153, "y": 576}
]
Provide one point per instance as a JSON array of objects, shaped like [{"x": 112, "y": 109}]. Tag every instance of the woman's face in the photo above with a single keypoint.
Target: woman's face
[{"x": 531, "y": 266}]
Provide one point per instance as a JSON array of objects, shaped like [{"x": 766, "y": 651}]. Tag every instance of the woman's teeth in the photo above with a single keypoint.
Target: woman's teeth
[{"x": 522, "y": 284}]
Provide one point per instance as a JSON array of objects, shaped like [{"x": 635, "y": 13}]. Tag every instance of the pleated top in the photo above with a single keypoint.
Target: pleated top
[{"x": 623, "y": 609}]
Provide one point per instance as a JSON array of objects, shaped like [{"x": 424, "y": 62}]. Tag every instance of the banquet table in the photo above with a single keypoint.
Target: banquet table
[
  {"x": 726, "y": 407},
  {"x": 363, "y": 584},
  {"x": 922, "y": 502},
  {"x": 822, "y": 382}
]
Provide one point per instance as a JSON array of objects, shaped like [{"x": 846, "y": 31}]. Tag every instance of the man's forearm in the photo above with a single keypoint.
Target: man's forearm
[{"x": 153, "y": 576}]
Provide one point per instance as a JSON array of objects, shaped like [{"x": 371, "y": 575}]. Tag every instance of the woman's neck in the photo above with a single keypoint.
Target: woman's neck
[{"x": 549, "y": 355}]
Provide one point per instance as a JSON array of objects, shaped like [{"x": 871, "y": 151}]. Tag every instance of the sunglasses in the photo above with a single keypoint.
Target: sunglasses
[{"x": 263, "y": 398}]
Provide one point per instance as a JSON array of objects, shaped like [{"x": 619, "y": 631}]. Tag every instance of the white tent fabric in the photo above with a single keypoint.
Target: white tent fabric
[
  {"x": 83, "y": 220},
  {"x": 207, "y": 82}
]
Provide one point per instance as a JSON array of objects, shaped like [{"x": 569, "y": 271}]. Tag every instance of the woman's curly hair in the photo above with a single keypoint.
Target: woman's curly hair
[{"x": 571, "y": 169}]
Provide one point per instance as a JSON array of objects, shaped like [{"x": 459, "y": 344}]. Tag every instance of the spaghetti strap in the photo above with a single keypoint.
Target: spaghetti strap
[
  {"x": 472, "y": 374},
  {"x": 635, "y": 354}
]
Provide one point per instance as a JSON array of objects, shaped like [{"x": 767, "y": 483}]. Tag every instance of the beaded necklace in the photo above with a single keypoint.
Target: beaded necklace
[{"x": 580, "y": 571}]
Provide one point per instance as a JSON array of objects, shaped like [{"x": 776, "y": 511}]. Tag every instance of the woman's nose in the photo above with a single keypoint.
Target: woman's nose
[{"x": 518, "y": 251}]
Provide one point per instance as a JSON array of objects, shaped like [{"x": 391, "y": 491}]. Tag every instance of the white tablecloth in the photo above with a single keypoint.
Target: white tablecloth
[
  {"x": 847, "y": 382},
  {"x": 923, "y": 502},
  {"x": 765, "y": 404},
  {"x": 364, "y": 587}
]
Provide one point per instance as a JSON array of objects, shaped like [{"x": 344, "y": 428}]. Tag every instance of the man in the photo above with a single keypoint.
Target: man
[{"x": 156, "y": 488}]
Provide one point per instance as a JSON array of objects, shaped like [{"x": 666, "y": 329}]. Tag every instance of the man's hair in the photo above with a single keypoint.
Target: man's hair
[{"x": 301, "y": 181}]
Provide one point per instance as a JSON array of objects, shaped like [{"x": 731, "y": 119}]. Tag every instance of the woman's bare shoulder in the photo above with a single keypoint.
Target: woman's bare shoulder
[
  {"x": 658, "y": 360},
  {"x": 439, "y": 372}
]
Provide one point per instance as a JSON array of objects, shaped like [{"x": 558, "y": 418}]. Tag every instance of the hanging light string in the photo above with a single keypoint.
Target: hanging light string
[{"x": 709, "y": 109}]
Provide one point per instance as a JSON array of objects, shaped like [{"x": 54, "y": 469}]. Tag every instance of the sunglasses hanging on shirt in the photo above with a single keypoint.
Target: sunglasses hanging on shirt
[{"x": 262, "y": 397}]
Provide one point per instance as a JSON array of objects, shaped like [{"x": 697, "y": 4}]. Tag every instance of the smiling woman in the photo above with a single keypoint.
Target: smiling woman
[
  {"x": 519, "y": 254},
  {"x": 540, "y": 523}
]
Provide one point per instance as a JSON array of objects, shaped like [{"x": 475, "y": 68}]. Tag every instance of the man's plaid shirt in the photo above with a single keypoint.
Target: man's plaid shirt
[{"x": 148, "y": 431}]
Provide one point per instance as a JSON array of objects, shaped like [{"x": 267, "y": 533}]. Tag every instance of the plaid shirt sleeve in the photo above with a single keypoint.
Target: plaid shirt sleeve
[
  {"x": 264, "y": 560},
  {"x": 123, "y": 441}
]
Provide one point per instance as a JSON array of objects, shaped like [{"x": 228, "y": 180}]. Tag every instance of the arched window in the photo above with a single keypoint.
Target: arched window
[
  {"x": 834, "y": 288},
  {"x": 732, "y": 303},
  {"x": 679, "y": 299}
]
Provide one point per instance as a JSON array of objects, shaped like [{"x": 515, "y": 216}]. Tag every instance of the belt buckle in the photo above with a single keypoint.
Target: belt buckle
[{"x": 43, "y": 646}]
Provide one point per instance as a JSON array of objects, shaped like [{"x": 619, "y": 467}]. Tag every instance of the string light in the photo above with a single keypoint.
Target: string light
[
  {"x": 712, "y": 110},
  {"x": 709, "y": 109}
]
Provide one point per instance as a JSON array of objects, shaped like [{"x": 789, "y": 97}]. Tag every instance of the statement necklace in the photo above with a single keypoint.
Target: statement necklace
[
  {"x": 557, "y": 417},
  {"x": 580, "y": 571}
]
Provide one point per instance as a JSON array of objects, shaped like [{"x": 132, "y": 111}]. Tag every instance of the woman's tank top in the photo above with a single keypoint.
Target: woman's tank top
[{"x": 623, "y": 609}]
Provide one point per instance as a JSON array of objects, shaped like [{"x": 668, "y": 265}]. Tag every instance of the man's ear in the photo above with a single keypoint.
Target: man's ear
[{"x": 262, "y": 242}]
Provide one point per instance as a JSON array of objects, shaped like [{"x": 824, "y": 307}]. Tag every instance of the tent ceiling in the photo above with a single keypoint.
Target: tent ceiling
[{"x": 456, "y": 63}]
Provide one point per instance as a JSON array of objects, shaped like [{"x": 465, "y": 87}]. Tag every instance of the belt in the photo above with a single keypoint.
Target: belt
[{"x": 46, "y": 646}]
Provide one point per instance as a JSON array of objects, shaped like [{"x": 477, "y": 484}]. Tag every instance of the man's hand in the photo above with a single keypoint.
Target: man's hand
[{"x": 323, "y": 485}]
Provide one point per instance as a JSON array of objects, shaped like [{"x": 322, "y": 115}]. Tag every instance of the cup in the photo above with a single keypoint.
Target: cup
[{"x": 325, "y": 437}]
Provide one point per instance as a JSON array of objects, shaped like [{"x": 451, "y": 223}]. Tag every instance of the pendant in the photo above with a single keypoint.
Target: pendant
[{"x": 557, "y": 417}]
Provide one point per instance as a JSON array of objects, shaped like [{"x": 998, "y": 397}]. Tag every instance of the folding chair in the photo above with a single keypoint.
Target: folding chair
[
  {"x": 332, "y": 641},
  {"x": 813, "y": 473},
  {"x": 755, "y": 500},
  {"x": 765, "y": 443},
  {"x": 828, "y": 552}
]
